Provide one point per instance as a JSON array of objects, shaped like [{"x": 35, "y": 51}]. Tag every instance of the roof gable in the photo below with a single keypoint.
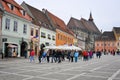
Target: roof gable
[
  {"x": 39, "y": 17},
  {"x": 106, "y": 36},
  {"x": 83, "y": 24},
  {"x": 59, "y": 23},
  {"x": 13, "y": 3}
]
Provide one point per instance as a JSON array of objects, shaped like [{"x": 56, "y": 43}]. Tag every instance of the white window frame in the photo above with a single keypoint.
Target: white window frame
[
  {"x": 15, "y": 29},
  {"x": 7, "y": 24},
  {"x": 25, "y": 29}
]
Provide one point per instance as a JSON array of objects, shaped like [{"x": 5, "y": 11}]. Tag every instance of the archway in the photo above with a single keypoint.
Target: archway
[{"x": 24, "y": 46}]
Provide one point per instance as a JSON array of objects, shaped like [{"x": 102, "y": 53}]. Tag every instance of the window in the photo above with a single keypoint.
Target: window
[
  {"x": 97, "y": 44},
  {"x": 7, "y": 24},
  {"x": 12, "y": 7},
  {"x": 108, "y": 44},
  {"x": 36, "y": 32},
  {"x": 23, "y": 13},
  {"x": 101, "y": 44},
  {"x": 25, "y": 29},
  {"x": 32, "y": 31},
  {"x": 15, "y": 26},
  {"x": 112, "y": 44},
  {"x": 43, "y": 35},
  {"x": 58, "y": 36},
  {"x": 118, "y": 43},
  {"x": 49, "y": 36},
  {"x": 53, "y": 37}
]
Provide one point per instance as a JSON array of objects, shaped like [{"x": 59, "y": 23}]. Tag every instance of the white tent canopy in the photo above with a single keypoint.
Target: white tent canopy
[
  {"x": 12, "y": 46},
  {"x": 63, "y": 47}
]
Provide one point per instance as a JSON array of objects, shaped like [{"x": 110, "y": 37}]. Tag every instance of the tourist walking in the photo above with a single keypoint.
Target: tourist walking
[
  {"x": 40, "y": 55},
  {"x": 72, "y": 55},
  {"x": 76, "y": 56},
  {"x": 48, "y": 56},
  {"x": 32, "y": 53}
]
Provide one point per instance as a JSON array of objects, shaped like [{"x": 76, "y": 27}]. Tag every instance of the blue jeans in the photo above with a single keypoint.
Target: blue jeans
[
  {"x": 31, "y": 58},
  {"x": 76, "y": 59}
]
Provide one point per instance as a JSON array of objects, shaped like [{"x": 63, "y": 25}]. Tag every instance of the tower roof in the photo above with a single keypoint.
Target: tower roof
[{"x": 90, "y": 18}]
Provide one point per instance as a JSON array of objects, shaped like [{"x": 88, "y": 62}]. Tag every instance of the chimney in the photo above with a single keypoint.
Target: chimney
[{"x": 43, "y": 10}]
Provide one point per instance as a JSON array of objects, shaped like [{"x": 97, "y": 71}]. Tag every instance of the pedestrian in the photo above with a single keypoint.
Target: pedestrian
[
  {"x": 2, "y": 55},
  {"x": 32, "y": 53},
  {"x": 76, "y": 56},
  {"x": 44, "y": 56},
  {"x": 68, "y": 55},
  {"x": 98, "y": 54},
  {"x": 59, "y": 56},
  {"x": 90, "y": 54},
  {"x": 85, "y": 55},
  {"x": 72, "y": 55},
  {"x": 14, "y": 54},
  {"x": 25, "y": 53},
  {"x": 48, "y": 56},
  {"x": 40, "y": 55}
]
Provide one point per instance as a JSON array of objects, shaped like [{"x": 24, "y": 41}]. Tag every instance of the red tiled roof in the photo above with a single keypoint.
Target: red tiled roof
[
  {"x": 39, "y": 18},
  {"x": 16, "y": 10},
  {"x": 59, "y": 23},
  {"x": 13, "y": 3}
]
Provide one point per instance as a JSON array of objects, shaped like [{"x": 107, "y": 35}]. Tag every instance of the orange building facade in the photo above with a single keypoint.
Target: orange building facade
[
  {"x": 63, "y": 38},
  {"x": 63, "y": 34},
  {"x": 109, "y": 40},
  {"x": 107, "y": 46}
]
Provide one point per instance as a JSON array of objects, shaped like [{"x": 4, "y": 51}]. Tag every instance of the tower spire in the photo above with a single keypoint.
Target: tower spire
[{"x": 90, "y": 18}]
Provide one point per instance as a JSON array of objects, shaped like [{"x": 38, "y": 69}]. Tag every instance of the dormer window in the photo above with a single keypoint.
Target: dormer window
[
  {"x": 11, "y": 6},
  {"x": 23, "y": 12}
]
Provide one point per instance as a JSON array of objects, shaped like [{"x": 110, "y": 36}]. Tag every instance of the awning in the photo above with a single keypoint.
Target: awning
[{"x": 12, "y": 46}]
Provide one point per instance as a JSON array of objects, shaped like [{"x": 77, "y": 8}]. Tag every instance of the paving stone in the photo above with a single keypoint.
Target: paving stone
[
  {"x": 58, "y": 76},
  {"x": 32, "y": 73},
  {"x": 89, "y": 78},
  {"x": 11, "y": 70},
  {"x": 100, "y": 74},
  {"x": 11, "y": 77}
]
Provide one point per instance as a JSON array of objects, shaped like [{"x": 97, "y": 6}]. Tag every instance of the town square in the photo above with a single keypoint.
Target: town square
[{"x": 59, "y": 40}]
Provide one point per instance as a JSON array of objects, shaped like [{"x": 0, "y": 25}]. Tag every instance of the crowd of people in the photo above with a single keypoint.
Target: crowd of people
[{"x": 57, "y": 56}]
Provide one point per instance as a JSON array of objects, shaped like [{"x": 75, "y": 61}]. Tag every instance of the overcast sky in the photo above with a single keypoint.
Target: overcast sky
[{"x": 106, "y": 13}]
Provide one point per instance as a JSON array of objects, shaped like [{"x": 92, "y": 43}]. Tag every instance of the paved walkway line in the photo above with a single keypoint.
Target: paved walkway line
[
  {"x": 75, "y": 76},
  {"x": 114, "y": 75},
  {"x": 28, "y": 78}
]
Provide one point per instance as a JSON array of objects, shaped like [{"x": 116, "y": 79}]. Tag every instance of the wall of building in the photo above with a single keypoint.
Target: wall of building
[
  {"x": 46, "y": 40},
  {"x": 63, "y": 38},
  {"x": 15, "y": 37},
  {"x": 105, "y": 45},
  {"x": 0, "y": 32}
]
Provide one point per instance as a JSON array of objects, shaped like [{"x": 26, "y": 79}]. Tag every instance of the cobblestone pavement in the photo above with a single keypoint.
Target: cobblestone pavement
[{"x": 106, "y": 68}]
